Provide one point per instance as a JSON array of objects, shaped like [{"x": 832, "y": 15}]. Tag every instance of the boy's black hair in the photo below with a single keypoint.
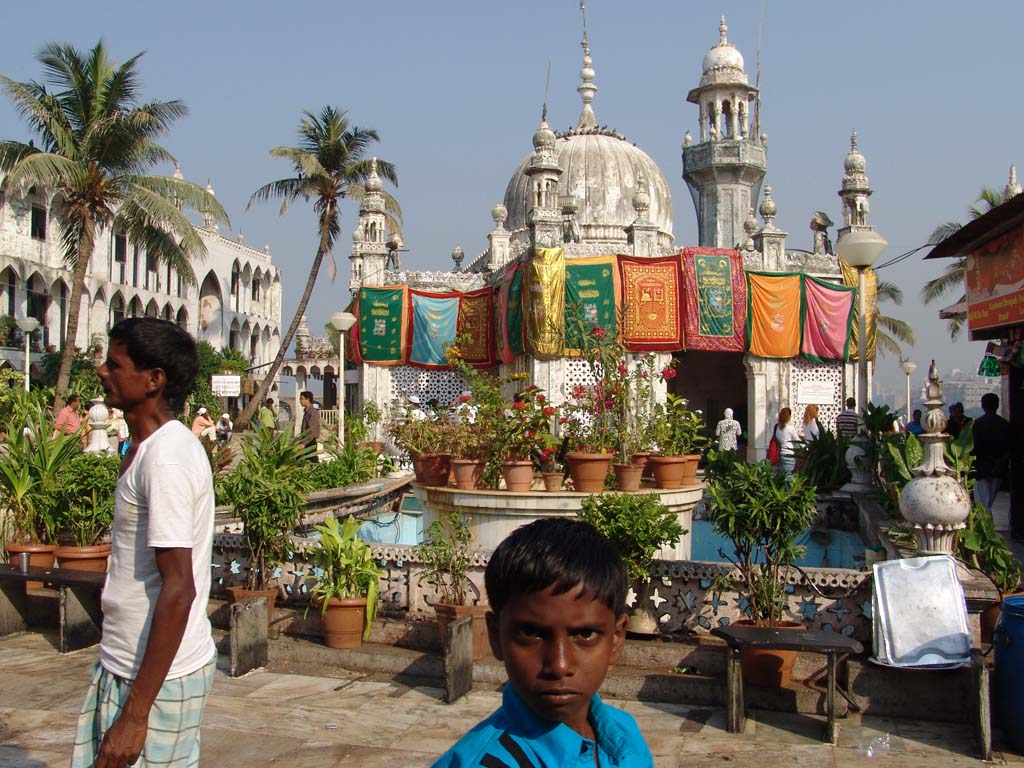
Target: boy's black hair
[
  {"x": 306, "y": 394},
  {"x": 556, "y": 552},
  {"x": 154, "y": 343},
  {"x": 990, "y": 402}
]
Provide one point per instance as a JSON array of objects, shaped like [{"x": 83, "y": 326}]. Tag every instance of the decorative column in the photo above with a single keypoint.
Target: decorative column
[
  {"x": 934, "y": 503},
  {"x": 99, "y": 416}
]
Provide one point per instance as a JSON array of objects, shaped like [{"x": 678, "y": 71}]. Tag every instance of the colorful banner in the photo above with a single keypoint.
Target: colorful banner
[
  {"x": 828, "y": 311},
  {"x": 591, "y": 286},
  {"x": 773, "y": 317},
  {"x": 651, "y": 290},
  {"x": 476, "y": 327},
  {"x": 850, "y": 278},
  {"x": 544, "y": 303},
  {"x": 509, "y": 315},
  {"x": 994, "y": 279},
  {"x": 382, "y": 325},
  {"x": 716, "y": 300},
  {"x": 433, "y": 319}
]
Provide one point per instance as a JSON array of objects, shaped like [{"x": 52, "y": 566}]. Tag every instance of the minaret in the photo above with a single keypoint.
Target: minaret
[
  {"x": 1012, "y": 188},
  {"x": 725, "y": 168},
  {"x": 369, "y": 250},
  {"x": 855, "y": 191},
  {"x": 543, "y": 216}
]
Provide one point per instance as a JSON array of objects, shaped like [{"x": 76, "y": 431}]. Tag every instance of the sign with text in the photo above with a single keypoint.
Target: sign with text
[
  {"x": 226, "y": 385},
  {"x": 994, "y": 279},
  {"x": 816, "y": 393}
]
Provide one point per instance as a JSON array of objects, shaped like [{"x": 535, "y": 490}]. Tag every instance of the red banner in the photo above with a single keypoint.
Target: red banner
[
  {"x": 994, "y": 278},
  {"x": 715, "y": 292},
  {"x": 476, "y": 325},
  {"x": 651, "y": 307}
]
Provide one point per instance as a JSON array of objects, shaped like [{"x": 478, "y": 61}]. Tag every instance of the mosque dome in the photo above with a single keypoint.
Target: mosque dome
[
  {"x": 855, "y": 161},
  {"x": 723, "y": 63},
  {"x": 599, "y": 171}
]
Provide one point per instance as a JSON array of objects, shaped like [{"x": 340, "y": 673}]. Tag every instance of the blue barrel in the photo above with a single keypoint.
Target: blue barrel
[{"x": 1008, "y": 639}]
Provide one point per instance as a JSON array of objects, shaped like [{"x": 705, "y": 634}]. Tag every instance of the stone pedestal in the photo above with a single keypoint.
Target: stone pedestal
[{"x": 99, "y": 421}]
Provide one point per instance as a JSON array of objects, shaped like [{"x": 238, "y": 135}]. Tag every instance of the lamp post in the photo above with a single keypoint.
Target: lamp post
[
  {"x": 28, "y": 326},
  {"x": 342, "y": 321},
  {"x": 859, "y": 246},
  {"x": 908, "y": 368}
]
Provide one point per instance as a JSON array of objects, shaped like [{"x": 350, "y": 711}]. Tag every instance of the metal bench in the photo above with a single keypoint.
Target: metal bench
[
  {"x": 80, "y": 616},
  {"x": 836, "y": 648}
]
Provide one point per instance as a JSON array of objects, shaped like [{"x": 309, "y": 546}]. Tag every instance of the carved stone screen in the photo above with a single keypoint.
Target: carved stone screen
[{"x": 811, "y": 380}]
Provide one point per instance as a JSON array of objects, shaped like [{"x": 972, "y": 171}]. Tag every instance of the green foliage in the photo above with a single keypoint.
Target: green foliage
[
  {"x": 16, "y": 405},
  {"x": 85, "y": 497},
  {"x": 719, "y": 463},
  {"x": 982, "y": 546},
  {"x": 637, "y": 524},
  {"x": 266, "y": 491},
  {"x": 351, "y": 465},
  {"x": 84, "y": 380},
  {"x": 446, "y": 557},
  {"x": 824, "y": 460},
  {"x": 677, "y": 429},
  {"x": 762, "y": 512},
  {"x": 345, "y": 567}
]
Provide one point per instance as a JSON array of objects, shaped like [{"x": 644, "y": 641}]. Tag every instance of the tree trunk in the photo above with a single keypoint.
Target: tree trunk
[
  {"x": 243, "y": 420},
  {"x": 67, "y": 354}
]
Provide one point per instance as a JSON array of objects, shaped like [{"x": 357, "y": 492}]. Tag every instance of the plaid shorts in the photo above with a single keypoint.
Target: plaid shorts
[{"x": 173, "y": 735}]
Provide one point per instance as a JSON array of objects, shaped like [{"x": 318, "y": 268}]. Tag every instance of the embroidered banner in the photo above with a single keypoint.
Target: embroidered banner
[
  {"x": 544, "y": 303},
  {"x": 870, "y": 309},
  {"x": 382, "y": 325},
  {"x": 716, "y": 300},
  {"x": 828, "y": 311},
  {"x": 433, "y": 318},
  {"x": 509, "y": 315},
  {"x": 773, "y": 319},
  {"x": 651, "y": 291},
  {"x": 591, "y": 286},
  {"x": 476, "y": 327}
]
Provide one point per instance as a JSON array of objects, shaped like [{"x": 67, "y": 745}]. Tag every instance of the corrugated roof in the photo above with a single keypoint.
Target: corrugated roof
[{"x": 972, "y": 236}]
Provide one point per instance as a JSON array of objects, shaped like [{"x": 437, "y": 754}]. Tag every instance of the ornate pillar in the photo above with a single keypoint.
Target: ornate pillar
[{"x": 757, "y": 406}]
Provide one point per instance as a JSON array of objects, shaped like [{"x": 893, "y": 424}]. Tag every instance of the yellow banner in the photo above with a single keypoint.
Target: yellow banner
[
  {"x": 545, "y": 303},
  {"x": 870, "y": 309}
]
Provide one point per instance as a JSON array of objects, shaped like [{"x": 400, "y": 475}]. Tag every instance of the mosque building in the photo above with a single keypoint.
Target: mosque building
[{"x": 591, "y": 198}]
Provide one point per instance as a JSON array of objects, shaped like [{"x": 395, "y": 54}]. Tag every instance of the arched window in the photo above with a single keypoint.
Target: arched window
[
  {"x": 236, "y": 287},
  {"x": 9, "y": 285}
]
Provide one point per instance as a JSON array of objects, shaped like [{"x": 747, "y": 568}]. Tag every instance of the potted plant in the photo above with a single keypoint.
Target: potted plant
[
  {"x": 445, "y": 557},
  {"x": 551, "y": 471},
  {"x": 678, "y": 437},
  {"x": 763, "y": 513},
  {"x": 524, "y": 432},
  {"x": 265, "y": 491},
  {"x": 638, "y": 525},
  {"x": 86, "y": 503},
  {"x": 824, "y": 460},
  {"x": 347, "y": 584},
  {"x": 371, "y": 418},
  {"x": 429, "y": 443}
]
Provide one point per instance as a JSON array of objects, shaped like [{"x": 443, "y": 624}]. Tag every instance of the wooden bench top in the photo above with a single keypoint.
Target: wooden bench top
[
  {"x": 62, "y": 576},
  {"x": 786, "y": 639}
]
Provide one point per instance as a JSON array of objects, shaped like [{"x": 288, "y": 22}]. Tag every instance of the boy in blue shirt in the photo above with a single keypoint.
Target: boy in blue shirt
[{"x": 557, "y": 593}]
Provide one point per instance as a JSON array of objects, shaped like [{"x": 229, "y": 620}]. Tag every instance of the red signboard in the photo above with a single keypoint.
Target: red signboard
[{"x": 994, "y": 278}]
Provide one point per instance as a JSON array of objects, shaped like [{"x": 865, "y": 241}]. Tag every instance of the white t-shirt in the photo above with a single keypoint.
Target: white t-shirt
[
  {"x": 164, "y": 499},
  {"x": 787, "y": 436},
  {"x": 811, "y": 431}
]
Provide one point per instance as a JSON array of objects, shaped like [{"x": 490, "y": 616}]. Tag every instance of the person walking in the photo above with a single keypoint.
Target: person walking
[
  {"x": 69, "y": 420},
  {"x": 728, "y": 431},
  {"x": 157, "y": 654},
  {"x": 991, "y": 434},
  {"x": 848, "y": 422},
  {"x": 310, "y": 424},
  {"x": 266, "y": 415},
  {"x": 812, "y": 427},
  {"x": 786, "y": 434}
]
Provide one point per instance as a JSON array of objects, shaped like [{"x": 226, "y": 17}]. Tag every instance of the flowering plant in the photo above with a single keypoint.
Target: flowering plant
[
  {"x": 678, "y": 430},
  {"x": 526, "y": 429}
]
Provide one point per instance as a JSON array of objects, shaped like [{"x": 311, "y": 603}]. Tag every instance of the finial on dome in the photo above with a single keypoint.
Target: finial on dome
[
  {"x": 208, "y": 221},
  {"x": 177, "y": 171},
  {"x": 586, "y": 88},
  {"x": 722, "y": 29},
  {"x": 373, "y": 182},
  {"x": 457, "y": 256},
  {"x": 768, "y": 208},
  {"x": 1012, "y": 187},
  {"x": 853, "y": 141}
]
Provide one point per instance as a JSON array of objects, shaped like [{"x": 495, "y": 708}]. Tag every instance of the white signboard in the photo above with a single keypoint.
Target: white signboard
[
  {"x": 226, "y": 385},
  {"x": 816, "y": 392}
]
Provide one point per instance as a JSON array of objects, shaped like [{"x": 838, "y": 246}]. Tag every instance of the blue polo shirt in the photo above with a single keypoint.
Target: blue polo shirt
[{"x": 515, "y": 737}]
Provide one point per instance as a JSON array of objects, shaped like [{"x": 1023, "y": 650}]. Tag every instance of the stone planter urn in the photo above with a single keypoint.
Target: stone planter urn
[{"x": 99, "y": 420}]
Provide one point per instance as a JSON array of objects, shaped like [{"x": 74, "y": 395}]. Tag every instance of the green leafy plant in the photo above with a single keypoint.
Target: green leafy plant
[
  {"x": 762, "y": 512},
  {"x": 526, "y": 429},
  {"x": 350, "y": 464},
  {"x": 982, "y": 546},
  {"x": 265, "y": 490},
  {"x": 678, "y": 430},
  {"x": 345, "y": 568},
  {"x": 824, "y": 460},
  {"x": 446, "y": 557},
  {"x": 85, "y": 498},
  {"x": 637, "y": 524}
]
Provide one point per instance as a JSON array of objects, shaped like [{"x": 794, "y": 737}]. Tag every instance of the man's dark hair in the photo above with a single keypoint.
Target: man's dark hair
[
  {"x": 154, "y": 343},
  {"x": 270, "y": 401},
  {"x": 72, "y": 399},
  {"x": 306, "y": 394},
  {"x": 917, "y": 414},
  {"x": 851, "y": 402},
  {"x": 990, "y": 402},
  {"x": 559, "y": 553}
]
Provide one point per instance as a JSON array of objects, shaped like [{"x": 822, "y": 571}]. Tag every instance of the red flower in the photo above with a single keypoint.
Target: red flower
[
  {"x": 563, "y": 420},
  {"x": 518, "y": 405},
  {"x": 597, "y": 332},
  {"x": 540, "y": 398},
  {"x": 549, "y": 411},
  {"x": 668, "y": 372},
  {"x": 622, "y": 369},
  {"x": 464, "y": 398}
]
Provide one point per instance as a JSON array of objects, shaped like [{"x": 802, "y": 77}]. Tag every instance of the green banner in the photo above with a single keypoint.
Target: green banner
[
  {"x": 589, "y": 300},
  {"x": 514, "y": 318},
  {"x": 381, "y": 312},
  {"x": 714, "y": 295}
]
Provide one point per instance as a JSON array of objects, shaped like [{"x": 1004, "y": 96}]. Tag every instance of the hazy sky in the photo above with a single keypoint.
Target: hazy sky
[{"x": 455, "y": 87}]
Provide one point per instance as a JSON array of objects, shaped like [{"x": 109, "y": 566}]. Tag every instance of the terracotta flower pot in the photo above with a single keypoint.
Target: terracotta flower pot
[
  {"x": 588, "y": 470},
  {"x": 448, "y": 613},
  {"x": 518, "y": 475},
  {"x": 552, "y": 481},
  {"x": 468, "y": 473},
  {"x": 640, "y": 460},
  {"x": 40, "y": 556},
  {"x": 768, "y": 668},
  {"x": 417, "y": 466},
  {"x": 92, "y": 559},
  {"x": 237, "y": 594},
  {"x": 343, "y": 622},
  {"x": 627, "y": 476},
  {"x": 436, "y": 467},
  {"x": 668, "y": 471}
]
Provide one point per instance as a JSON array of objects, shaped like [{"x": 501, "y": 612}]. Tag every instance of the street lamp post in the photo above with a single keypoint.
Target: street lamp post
[
  {"x": 908, "y": 368},
  {"x": 28, "y": 326},
  {"x": 342, "y": 322},
  {"x": 859, "y": 246}
]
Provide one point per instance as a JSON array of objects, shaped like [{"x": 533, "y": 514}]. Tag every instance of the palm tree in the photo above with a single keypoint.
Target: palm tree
[
  {"x": 330, "y": 164},
  {"x": 952, "y": 276},
  {"x": 890, "y": 331},
  {"x": 97, "y": 140}
]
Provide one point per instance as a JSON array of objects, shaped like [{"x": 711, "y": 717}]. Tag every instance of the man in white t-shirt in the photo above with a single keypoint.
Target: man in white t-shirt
[{"x": 157, "y": 655}]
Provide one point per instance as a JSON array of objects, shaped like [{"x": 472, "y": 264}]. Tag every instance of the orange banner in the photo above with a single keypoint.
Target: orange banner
[{"x": 773, "y": 316}]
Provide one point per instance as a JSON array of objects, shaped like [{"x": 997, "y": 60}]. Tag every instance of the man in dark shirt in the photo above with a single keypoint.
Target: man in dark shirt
[
  {"x": 848, "y": 422},
  {"x": 310, "y": 423},
  {"x": 957, "y": 420},
  {"x": 991, "y": 451}
]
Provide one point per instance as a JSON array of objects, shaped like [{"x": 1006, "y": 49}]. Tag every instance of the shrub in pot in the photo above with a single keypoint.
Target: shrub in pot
[
  {"x": 638, "y": 525},
  {"x": 763, "y": 513},
  {"x": 445, "y": 558},
  {"x": 347, "y": 583},
  {"x": 679, "y": 437},
  {"x": 86, "y": 503}
]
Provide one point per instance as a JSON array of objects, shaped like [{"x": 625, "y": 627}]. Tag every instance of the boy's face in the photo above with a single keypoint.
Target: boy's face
[{"x": 557, "y": 650}]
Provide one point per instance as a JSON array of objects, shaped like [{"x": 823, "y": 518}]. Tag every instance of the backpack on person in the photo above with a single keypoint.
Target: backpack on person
[{"x": 774, "y": 448}]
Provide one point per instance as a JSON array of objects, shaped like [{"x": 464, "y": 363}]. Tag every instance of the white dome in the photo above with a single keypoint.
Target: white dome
[
  {"x": 723, "y": 64},
  {"x": 599, "y": 171},
  {"x": 722, "y": 56}
]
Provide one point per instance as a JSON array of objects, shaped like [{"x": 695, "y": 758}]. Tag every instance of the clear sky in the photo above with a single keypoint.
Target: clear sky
[{"x": 454, "y": 87}]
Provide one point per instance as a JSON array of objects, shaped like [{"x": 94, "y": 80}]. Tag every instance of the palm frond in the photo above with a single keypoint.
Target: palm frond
[
  {"x": 46, "y": 170},
  {"x": 943, "y": 231},
  {"x": 899, "y": 329},
  {"x": 952, "y": 278},
  {"x": 184, "y": 193},
  {"x": 888, "y": 291}
]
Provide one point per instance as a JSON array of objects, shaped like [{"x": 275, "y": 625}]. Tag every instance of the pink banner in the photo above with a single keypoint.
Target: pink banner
[{"x": 828, "y": 312}]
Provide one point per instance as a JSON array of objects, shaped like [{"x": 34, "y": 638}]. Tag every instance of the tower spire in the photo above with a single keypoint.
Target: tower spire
[{"x": 586, "y": 88}]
